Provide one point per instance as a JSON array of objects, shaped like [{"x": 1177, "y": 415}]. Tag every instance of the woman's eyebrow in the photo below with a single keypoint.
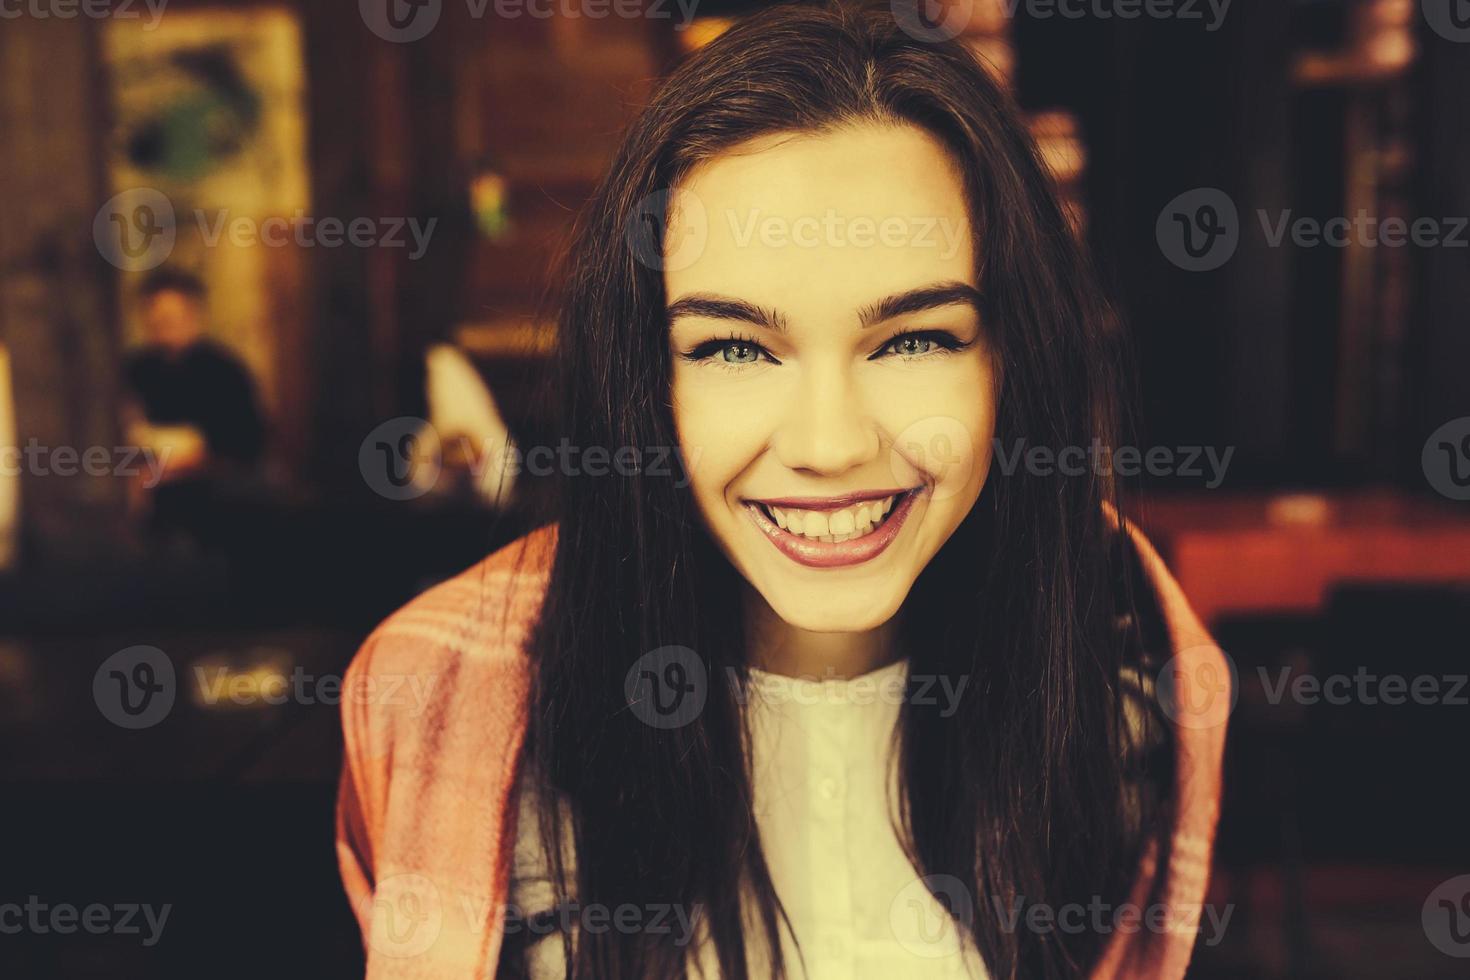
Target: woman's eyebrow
[
  {"x": 917, "y": 300},
  {"x": 933, "y": 296},
  {"x": 717, "y": 307}
]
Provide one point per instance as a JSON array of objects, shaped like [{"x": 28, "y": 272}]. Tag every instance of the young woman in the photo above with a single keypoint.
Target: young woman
[{"x": 821, "y": 670}]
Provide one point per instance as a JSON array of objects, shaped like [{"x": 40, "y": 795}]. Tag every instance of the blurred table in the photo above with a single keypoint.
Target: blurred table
[{"x": 1249, "y": 554}]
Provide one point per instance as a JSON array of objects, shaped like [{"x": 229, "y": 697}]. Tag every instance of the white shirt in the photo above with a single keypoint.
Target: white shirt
[
  {"x": 826, "y": 790},
  {"x": 825, "y": 784}
]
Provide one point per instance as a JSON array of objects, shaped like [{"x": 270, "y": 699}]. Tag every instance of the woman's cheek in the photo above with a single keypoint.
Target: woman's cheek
[
  {"x": 942, "y": 422},
  {"x": 721, "y": 428}
]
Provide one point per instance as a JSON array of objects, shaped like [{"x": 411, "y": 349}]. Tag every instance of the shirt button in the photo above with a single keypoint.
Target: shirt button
[{"x": 828, "y": 788}]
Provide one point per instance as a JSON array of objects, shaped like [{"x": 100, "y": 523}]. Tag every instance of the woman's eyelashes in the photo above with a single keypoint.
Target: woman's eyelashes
[
  {"x": 730, "y": 352},
  {"x": 919, "y": 343},
  {"x": 738, "y": 351}
]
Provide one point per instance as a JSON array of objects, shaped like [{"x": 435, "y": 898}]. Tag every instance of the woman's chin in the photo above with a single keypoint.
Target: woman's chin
[{"x": 835, "y": 610}]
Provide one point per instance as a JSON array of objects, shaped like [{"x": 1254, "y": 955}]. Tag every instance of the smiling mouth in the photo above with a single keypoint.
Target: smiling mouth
[
  {"x": 833, "y": 520},
  {"x": 831, "y": 532}
]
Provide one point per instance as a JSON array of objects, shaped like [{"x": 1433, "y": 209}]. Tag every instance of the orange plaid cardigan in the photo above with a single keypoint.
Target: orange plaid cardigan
[{"x": 434, "y": 713}]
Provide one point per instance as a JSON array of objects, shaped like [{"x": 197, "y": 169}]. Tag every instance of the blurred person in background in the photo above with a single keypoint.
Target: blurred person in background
[
  {"x": 193, "y": 404},
  {"x": 465, "y": 433}
]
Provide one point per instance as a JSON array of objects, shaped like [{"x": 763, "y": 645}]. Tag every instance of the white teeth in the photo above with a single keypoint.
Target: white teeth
[{"x": 833, "y": 526}]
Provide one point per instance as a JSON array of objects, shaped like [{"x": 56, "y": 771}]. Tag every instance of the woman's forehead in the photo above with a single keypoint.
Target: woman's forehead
[{"x": 821, "y": 222}]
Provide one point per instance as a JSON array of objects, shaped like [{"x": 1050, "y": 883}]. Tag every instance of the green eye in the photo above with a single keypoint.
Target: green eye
[
  {"x": 729, "y": 350},
  {"x": 920, "y": 343},
  {"x": 740, "y": 353},
  {"x": 913, "y": 344}
]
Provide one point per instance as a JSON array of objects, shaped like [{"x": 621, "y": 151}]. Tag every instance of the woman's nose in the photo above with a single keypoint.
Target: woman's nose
[{"x": 826, "y": 428}]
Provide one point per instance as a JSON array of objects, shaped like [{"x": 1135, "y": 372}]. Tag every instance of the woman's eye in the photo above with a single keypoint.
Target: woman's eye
[
  {"x": 730, "y": 352},
  {"x": 740, "y": 353},
  {"x": 919, "y": 344},
  {"x": 913, "y": 345}
]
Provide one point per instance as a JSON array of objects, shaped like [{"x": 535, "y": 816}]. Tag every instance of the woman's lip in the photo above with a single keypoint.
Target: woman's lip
[
  {"x": 835, "y": 554},
  {"x": 827, "y": 503}
]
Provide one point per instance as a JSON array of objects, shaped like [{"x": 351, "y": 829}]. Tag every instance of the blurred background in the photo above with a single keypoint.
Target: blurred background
[{"x": 274, "y": 294}]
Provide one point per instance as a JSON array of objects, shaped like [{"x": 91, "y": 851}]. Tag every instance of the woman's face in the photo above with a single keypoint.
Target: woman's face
[{"x": 832, "y": 384}]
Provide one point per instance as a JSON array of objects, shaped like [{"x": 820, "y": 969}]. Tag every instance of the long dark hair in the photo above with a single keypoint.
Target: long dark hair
[{"x": 1030, "y": 791}]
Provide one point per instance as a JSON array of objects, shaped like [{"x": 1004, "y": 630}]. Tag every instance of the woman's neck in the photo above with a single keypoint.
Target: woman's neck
[{"x": 777, "y": 647}]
